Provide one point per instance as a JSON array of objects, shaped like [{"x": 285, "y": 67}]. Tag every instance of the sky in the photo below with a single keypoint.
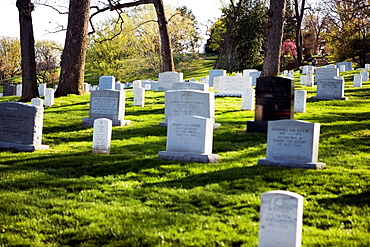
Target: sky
[{"x": 45, "y": 20}]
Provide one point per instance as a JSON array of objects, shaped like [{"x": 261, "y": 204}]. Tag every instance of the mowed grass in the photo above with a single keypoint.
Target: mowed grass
[{"x": 68, "y": 196}]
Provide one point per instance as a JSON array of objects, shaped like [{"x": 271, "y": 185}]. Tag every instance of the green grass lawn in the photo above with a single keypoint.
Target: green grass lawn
[{"x": 68, "y": 196}]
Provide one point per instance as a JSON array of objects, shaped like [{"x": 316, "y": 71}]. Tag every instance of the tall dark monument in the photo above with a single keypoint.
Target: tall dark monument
[{"x": 274, "y": 101}]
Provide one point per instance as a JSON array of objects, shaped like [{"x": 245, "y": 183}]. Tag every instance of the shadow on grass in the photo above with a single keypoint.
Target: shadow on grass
[{"x": 356, "y": 200}]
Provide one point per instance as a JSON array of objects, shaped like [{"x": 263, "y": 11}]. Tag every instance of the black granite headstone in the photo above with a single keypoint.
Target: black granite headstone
[
  {"x": 9, "y": 90},
  {"x": 274, "y": 101}
]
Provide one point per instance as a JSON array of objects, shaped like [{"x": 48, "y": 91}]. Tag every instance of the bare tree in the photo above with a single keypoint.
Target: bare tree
[
  {"x": 29, "y": 82},
  {"x": 274, "y": 38}
]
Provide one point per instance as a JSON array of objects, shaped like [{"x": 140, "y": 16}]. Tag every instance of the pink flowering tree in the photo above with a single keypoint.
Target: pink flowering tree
[{"x": 289, "y": 48}]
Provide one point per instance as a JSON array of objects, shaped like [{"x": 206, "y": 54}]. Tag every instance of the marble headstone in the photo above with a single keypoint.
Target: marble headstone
[
  {"x": 215, "y": 73},
  {"x": 166, "y": 80},
  {"x": 107, "y": 82},
  {"x": 292, "y": 143},
  {"x": 281, "y": 219},
  {"x": 330, "y": 89},
  {"x": 102, "y": 135},
  {"x": 189, "y": 139},
  {"x": 107, "y": 104}
]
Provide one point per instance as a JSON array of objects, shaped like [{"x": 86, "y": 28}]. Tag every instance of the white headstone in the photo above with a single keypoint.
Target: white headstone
[
  {"x": 248, "y": 98},
  {"x": 136, "y": 84},
  {"x": 19, "y": 90},
  {"x": 86, "y": 87},
  {"x": 37, "y": 102},
  {"x": 119, "y": 86},
  {"x": 292, "y": 143},
  {"x": 365, "y": 75},
  {"x": 233, "y": 85},
  {"x": 107, "y": 104},
  {"x": 1, "y": 95},
  {"x": 330, "y": 89},
  {"x": 102, "y": 135},
  {"x": 189, "y": 103},
  {"x": 189, "y": 138},
  {"x": 166, "y": 79},
  {"x": 357, "y": 81},
  {"x": 303, "y": 80},
  {"x": 342, "y": 68},
  {"x": 191, "y": 86},
  {"x": 216, "y": 83},
  {"x": 281, "y": 219},
  {"x": 49, "y": 97},
  {"x": 139, "y": 96},
  {"x": 215, "y": 73},
  {"x": 367, "y": 66},
  {"x": 300, "y": 101},
  {"x": 148, "y": 86},
  {"x": 308, "y": 68},
  {"x": 107, "y": 82},
  {"x": 246, "y": 72},
  {"x": 42, "y": 88},
  {"x": 254, "y": 76},
  {"x": 326, "y": 73},
  {"x": 347, "y": 64},
  {"x": 310, "y": 79}
]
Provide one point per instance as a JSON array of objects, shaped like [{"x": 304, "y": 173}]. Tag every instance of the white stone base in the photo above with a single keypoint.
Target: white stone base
[
  {"x": 188, "y": 157},
  {"x": 17, "y": 147},
  {"x": 89, "y": 122},
  {"x": 292, "y": 164}
]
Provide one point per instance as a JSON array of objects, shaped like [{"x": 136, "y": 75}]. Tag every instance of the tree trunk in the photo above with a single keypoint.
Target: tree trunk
[
  {"x": 299, "y": 39},
  {"x": 74, "y": 53},
  {"x": 275, "y": 27},
  {"x": 166, "y": 48},
  {"x": 29, "y": 80},
  {"x": 229, "y": 30}
]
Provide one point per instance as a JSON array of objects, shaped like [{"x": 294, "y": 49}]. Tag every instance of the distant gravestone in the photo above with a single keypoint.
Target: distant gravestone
[
  {"x": 307, "y": 68},
  {"x": 119, "y": 86},
  {"x": 191, "y": 86},
  {"x": 9, "y": 90},
  {"x": 281, "y": 219},
  {"x": 300, "y": 101},
  {"x": 248, "y": 97},
  {"x": 139, "y": 96},
  {"x": 37, "y": 102},
  {"x": 107, "y": 104},
  {"x": 303, "y": 80},
  {"x": 215, "y": 73},
  {"x": 292, "y": 143},
  {"x": 189, "y": 103},
  {"x": 19, "y": 90},
  {"x": 357, "y": 80},
  {"x": 274, "y": 101},
  {"x": 310, "y": 79},
  {"x": 330, "y": 89},
  {"x": 323, "y": 74},
  {"x": 365, "y": 75},
  {"x": 216, "y": 83},
  {"x": 247, "y": 72},
  {"x": 102, "y": 135},
  {"x": 189, "y": 139},
  {"x": 254, "y": 75},
  {"x": 42, "y": 88},
  {"x": 21, "y": 127},
  {"x": 49, "y": 97},
  {"x": 86, "y": 87},
  {"x": 233, "y": 85},
  {"x": 347, "y": 64},
  {"x": 342, "y": 68},
  {"x": 166, "y": 80},
  {"x": 107, "y": 82},
  {"x": 367, "y": 66}
]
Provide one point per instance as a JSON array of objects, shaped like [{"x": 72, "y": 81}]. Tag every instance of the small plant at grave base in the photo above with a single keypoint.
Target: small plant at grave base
[{"x": 68, "y": 196}]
